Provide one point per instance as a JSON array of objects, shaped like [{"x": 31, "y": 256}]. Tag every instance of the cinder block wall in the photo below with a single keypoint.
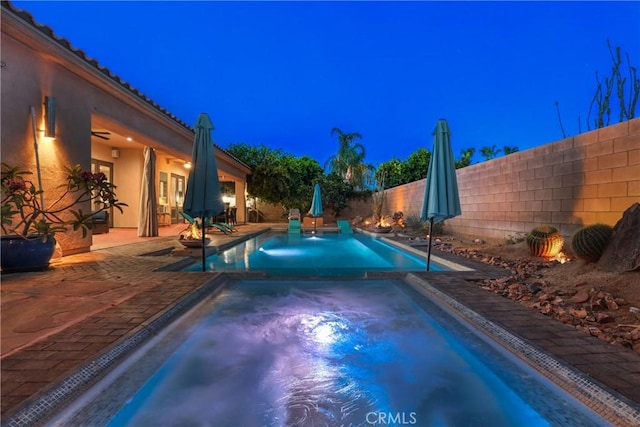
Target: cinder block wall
[{"x": 586, "y": 179}]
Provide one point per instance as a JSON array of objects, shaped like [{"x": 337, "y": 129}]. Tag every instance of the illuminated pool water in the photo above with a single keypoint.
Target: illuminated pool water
[
  {"x": 332, "y": 254},
  {"x": 339, "y": 352}
]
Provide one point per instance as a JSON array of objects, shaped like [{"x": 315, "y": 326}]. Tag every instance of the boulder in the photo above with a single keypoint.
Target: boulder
[
  {"x": 580, "y": 297},
  {"x": 623, "y": 251}
]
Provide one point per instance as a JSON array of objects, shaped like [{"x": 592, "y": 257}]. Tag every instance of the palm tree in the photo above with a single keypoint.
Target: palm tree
[
  {"x": 490, "y": 152},
  {"x": 465, "y": 159},
  {"x": 507, "y": 149},
  {"x": 348, "y": 162}
]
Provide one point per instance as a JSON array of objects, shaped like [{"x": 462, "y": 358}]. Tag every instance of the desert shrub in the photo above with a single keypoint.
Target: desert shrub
[
  {"x": 414, "y": 226},
  {"x": 514, "y": 239}
]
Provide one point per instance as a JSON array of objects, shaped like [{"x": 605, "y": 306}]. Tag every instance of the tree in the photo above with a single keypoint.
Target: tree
[
  {"x": 416, "y": 165},
  {"x": 348, "y": 162},
  {"x": 336, "y": 192},
  {"x": 490, "y": 152},
  {"x": 304, "y": 172},
  {"x": 392, "y": 171},
  {"x": 507, "y": 149},
  {"x": 465, "y": 159},
  {"x": 278, "y": 177},
  {"x": 397, "y": 172}
]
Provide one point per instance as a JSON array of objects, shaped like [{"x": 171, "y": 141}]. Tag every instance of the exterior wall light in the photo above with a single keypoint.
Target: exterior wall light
[
  {"x": 187, "y": 165},
  {"x": 49, "y": 117}
]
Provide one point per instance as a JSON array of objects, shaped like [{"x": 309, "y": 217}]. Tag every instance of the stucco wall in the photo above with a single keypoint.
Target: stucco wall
[
  {"x": 34, "y": 65},
  {"x": 589, "y": 178}
]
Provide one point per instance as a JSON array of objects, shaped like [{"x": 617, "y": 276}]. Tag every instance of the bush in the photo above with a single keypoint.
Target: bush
[{"x": 414, "y": 226}]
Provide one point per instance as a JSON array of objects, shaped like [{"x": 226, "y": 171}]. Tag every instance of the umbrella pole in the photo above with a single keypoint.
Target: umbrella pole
[
  {"x": 203, "y": 246},
  {"x": 429, "y": 247}
]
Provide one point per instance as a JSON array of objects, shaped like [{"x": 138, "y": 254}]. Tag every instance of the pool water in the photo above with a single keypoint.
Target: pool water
[
  {"x": 340, "y": 352},
  {"x": 329, "y": 254}
]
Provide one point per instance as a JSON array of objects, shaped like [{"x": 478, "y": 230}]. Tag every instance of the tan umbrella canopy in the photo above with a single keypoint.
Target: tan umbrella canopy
[{"x": 148, "y": 218}]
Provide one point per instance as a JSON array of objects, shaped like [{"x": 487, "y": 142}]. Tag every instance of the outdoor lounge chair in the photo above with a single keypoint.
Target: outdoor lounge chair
[
  {"x": 225, "y": 228},
  {"x": 344, "y": 226},
  {"x": 294, "y": 214}
]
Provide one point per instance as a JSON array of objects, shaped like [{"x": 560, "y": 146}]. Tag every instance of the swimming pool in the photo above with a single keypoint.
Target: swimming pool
[
  {"x": 326, "y": 352},
  {"x": 327, "y": 254}
]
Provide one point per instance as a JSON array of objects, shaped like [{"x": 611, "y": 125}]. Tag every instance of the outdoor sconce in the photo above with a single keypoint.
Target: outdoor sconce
[
  {"x": 49, "y": 117},
  {"x": 187, "y": 165},
  {"x": 115, "y": 153}
]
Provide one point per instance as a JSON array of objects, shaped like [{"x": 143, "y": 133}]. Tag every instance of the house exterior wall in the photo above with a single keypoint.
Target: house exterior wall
[
  {"x": 581, "y": 180},
  {"x": 35, "y": 65}
]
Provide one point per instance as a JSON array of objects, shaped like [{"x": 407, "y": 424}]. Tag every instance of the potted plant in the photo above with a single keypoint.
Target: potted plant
[{"x": 29, "y": 227}]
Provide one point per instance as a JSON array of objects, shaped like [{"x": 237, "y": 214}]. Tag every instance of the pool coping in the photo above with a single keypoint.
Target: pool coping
[
  {"x": 453, "y": 262},
  {"x": 608, "y": 403},
  {"x": 100, "y": 405}
]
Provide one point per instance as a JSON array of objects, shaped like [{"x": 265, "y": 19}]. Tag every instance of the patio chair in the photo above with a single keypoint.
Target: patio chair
[
  {"x": 344, "y": 226},
  {"x": 225, "y": 228},
  {"x": 294, "y": 214}
]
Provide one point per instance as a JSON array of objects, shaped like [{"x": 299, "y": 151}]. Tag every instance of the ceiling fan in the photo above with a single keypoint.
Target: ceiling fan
[{"x": 101, "y": 134}]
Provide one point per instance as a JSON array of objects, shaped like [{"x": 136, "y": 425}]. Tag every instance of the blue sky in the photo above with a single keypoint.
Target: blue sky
[{"x": 285, "y": 73}]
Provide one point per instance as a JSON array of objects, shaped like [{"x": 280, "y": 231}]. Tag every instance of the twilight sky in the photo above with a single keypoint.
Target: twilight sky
[{"x": 285, "y": 73}]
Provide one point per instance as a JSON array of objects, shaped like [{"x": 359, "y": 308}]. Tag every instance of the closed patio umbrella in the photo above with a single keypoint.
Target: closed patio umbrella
[
  {"x": 316, "y": 204},
  {"x": 203, "y": 197},
  {"x": 148, "y": 218},
  {"x": 441, "y": 198}
]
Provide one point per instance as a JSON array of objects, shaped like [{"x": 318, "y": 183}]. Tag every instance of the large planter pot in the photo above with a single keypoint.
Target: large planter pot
[{"x": 25, "y": 254}]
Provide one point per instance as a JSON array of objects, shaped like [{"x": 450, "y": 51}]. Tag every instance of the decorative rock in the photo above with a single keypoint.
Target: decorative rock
[
  {"x": 604, "y": 318},
  {"x": 599, "y": 305},
  {"x": 579, "y": 312},
  {"x": 623, "y": 251},
  {"x": 567, "y": 319},
  {"x": 610, "y": 302},
  {"x": 545, "y": 297},
  {"x": 579, "y": 297},
  {"x": 534, "y": 288},
  {"x": 595, "y": 331}
]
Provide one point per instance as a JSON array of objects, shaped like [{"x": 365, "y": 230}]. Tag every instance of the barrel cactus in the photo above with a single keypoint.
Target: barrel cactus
[
  {"x": 589, "y": 242},
  {"x": 545, "y": 241}
]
